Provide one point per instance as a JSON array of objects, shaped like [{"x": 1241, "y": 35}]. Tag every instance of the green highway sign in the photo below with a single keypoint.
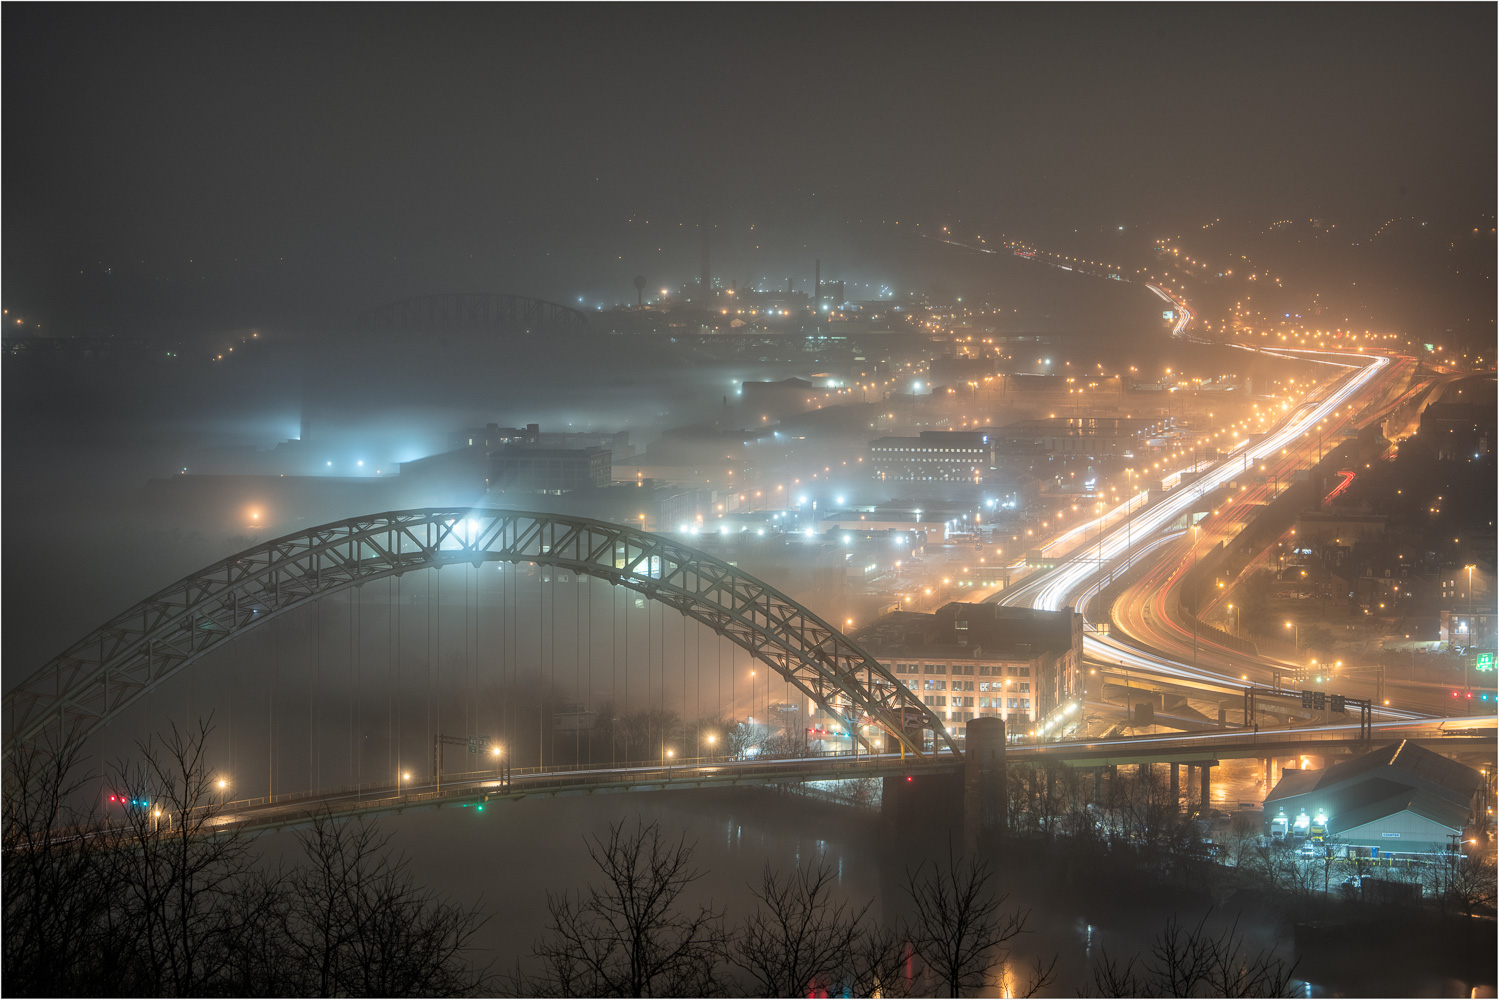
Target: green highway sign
[{"x": 1485, "y": 662}]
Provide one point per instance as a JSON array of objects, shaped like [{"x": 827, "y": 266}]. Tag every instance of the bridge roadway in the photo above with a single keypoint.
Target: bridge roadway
[{"x": 476, "y": 789}]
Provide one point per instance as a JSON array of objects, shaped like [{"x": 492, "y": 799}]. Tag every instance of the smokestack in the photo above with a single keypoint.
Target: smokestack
[
  {"x": 707, "y": 276},
  {"x": 817, "y": 287}
]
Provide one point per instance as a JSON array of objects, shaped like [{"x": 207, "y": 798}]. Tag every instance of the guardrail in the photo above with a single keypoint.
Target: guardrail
[
  {"x": 385, "y": 790},
  {"x": 1274, "y": 737}
]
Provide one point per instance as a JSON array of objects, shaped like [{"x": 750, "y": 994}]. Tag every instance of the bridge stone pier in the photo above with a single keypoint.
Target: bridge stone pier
[
  {"x": 985, "y": 781},
  {"x": 970, "y": 802},
  {"x": 920, "y": 810}
]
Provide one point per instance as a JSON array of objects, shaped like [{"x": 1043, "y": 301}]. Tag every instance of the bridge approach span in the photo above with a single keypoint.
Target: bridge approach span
[{"x": 96, "y": 678}]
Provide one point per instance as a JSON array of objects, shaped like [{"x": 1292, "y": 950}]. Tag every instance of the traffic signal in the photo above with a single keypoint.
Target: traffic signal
[
  {"x": 1306, "y": 699},
  {"x": 1319, "y": 701},
  {"x": 1339, "y": 704}
]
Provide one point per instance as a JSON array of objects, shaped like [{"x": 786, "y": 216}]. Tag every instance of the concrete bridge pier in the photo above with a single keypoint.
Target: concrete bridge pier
[
  {"x": 924, "y": 808},
  {"x": 918, "y": 808},
  {"x": 985, "y": 782},
  {"x": 1176, "y": 787},
  {"x": 1207, "y": 787}
]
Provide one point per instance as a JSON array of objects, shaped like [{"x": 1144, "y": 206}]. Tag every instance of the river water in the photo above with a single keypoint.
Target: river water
[{"x": 509, "y": 856}]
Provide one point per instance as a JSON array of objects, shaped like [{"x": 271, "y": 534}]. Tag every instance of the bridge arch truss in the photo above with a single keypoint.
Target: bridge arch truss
[{"x": 118, "y": 663}]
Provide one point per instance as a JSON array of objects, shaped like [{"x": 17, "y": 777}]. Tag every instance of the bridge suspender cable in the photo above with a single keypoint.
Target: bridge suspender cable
[{"x": 92, "y": 681}]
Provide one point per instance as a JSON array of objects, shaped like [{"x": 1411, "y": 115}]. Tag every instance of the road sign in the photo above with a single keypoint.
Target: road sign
[
  {"x": 1306, "y": 699},
  {"x": 1339, "y": 705},
  {"x": 1485, "y": 661},
  {"x": 1319, "y": 700}
]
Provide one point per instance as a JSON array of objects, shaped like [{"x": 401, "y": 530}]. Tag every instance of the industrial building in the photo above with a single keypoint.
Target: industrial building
[
  {"x": 934, "y": 457},
  {"x": 973, "y": 661},
  {"x": 523, "y": 468},
  {"x": 1400, "y": 799}
]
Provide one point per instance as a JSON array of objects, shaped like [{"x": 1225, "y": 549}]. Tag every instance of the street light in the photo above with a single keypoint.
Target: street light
[{"x": 1295, "y": 634}]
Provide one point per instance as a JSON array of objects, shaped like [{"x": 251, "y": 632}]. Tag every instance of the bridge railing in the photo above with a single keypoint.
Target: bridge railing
[
  {"x": 653, "y": 772},
  {"x": 385, "y": 790},
  {"x": 1271, "y": 738}
]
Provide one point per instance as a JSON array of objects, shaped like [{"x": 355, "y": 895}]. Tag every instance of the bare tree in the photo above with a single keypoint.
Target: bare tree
[
  {"x": 882, "y": 964},
  {"x": 1243, "y": 834},
  {"x": 960, "y": 929},
  {"x": 626, "y": 935},
  {"x": 800, "y": 939},
  {"x": 357, "y": 923},
  {"x": 175, "y": 868},
  {"x": 55, "y": 889},
  {"x": 1458, "y": 881},
  {"x": 1191, "y": 962},
  {"x": 169, "y": 900}
]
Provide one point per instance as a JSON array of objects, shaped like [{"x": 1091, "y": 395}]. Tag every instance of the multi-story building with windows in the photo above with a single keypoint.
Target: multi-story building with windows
[
  {"x": 524, "y": 468},
  {"x": 972, "y": 661},
  {"x": 934, "y": 457}
]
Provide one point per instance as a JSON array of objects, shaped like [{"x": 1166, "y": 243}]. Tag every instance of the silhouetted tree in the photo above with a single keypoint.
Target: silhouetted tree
[
  {"x": 626, "y": 936},
  {"x": 169, "y": 901},
  {"x": 961, "y": 929},
  {"x": 54, "y": 889},
  {"x": 1191, "y": 962},
  {"x": 359, "y": 925},
  {"x": 800, "y": 939}
]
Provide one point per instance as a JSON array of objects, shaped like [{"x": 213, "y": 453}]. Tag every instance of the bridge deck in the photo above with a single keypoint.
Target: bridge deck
[{"x": 475, "y": 790}]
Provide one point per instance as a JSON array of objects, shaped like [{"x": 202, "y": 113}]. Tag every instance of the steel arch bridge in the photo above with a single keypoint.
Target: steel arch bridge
[
  {"x": 96, "y": 678},
  {"x": 472, "y": 311}
]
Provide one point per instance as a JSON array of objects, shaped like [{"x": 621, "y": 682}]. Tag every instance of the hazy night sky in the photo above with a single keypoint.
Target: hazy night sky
[{"x": 206, "y": 165}]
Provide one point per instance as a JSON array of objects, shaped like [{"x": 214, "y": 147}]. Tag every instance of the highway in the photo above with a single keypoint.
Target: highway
[
  {"x": 1183, "y": 314},
  {"x": 1116, "y": 546}
]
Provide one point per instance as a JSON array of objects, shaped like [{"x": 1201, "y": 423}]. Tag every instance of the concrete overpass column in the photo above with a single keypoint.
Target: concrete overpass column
[
  {"x": 1176, "y": 787},
  {"x": 985, "y": 779},
  {"x": 1143, "y": 770},
  {"x": 1207, "y": 772},
  {"x": 1097, "y": 784}
]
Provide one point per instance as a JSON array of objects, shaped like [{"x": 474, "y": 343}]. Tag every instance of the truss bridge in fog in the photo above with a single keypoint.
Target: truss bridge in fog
[{"x": 123, "y": 660}]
